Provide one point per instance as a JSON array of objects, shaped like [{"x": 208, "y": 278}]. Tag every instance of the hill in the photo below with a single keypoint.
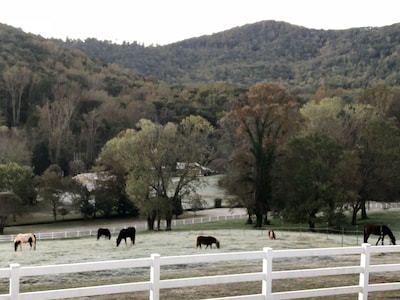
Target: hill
[{"x": 302, "y": 59}]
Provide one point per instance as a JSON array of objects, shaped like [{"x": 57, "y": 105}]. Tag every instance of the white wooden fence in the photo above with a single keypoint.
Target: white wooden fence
[{"x": 15, "y": 273}]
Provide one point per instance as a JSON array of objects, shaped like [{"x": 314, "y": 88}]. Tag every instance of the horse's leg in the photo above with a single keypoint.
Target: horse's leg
[{"x": 366, "y": 236}]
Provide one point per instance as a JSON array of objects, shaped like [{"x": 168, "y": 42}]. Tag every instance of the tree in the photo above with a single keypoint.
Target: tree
[
  {"x": 16, "y": 80},
  {"x": 362, "y": 130},
  {"x": 51, "y": 188},
  {"x": 149, "y": 156},
  {"x": 14, "y": 146},
  {"x": 55, "y": 119},
  {"x": 9, "y": 205},
  {"x": 19, "y": 180},
  {"x": 307, "y": 179},
  {"x": 265, "y": 117}
]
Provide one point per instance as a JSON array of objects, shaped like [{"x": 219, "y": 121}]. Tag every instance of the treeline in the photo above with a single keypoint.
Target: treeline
[{"x": 301, "y": 59}]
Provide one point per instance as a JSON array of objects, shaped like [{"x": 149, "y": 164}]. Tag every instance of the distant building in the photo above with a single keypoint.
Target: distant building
[{"x": 198, "y": 169}]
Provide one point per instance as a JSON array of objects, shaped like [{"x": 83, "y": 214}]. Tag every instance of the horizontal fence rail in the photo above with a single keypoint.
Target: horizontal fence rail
[{"x": 266, "y": 276}]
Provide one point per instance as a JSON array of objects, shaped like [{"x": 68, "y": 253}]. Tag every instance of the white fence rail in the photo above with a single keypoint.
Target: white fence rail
[{"x": 15, "y": 273}]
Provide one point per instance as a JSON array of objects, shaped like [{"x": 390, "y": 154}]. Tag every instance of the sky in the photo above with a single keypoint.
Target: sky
[{"x": 161, "y": 22}]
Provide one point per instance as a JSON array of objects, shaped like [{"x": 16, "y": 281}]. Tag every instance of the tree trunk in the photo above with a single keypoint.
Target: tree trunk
[
  {"x": 363, "y": 210},
  {"x": 311, "y": 222},
  {"x": 150, "y": 223},
  {"x": 2, "y": 224},
  {"x": 354, "y": 216},
  {"x": 169, "y": 224},
  {"x": 259, "y": 220},
  {"x": 249, "y": 219}
]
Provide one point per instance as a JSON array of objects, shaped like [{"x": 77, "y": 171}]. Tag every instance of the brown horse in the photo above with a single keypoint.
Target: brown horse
[
  {"x": 103, "y": 231},
  {"x": 271, "y": 235},
  {"x": 206, "y": 240},
  {"x": 380, "y": 230},
  {"x": 125, "y": 233},
  {"x": 25, "y": 238}
]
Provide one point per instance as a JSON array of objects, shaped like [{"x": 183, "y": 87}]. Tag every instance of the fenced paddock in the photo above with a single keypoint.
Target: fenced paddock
[{"x": 364, "y": 263}]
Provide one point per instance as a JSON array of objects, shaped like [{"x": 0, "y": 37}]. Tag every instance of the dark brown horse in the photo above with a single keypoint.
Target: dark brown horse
[
  {"x": 103, "y": 231},
  {"x": 206, "y": 240},
  {"x": 125, "y": 233},
  {"x": 380, "y": 230}
]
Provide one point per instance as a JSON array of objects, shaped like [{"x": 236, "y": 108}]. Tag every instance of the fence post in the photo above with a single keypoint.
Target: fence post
[
  {"x": 155, "y": 277},
  {"x": 14, "y": 281},
  {"x": 267, "y": 270},
  {"x": 364, "y": 275}
]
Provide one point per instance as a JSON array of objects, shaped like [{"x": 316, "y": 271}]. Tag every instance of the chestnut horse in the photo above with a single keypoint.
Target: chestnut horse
[
  {"x": 380, "y": 230},
  {"x": 103, "y": 231},
  {"x": 129, "y": 232},
  {"x": 206, "y": 240},
  {"x": 25, "y": 238}
]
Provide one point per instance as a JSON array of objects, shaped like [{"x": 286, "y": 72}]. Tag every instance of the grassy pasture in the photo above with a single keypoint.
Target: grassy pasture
[{"x": 182, "y": 242}]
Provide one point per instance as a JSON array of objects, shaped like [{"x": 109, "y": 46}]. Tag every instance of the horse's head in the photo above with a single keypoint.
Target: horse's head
[
  {"x": 393, "y": 240},
  {"x": 118, "y": 240},
  {"x": 217, "y": 244}
]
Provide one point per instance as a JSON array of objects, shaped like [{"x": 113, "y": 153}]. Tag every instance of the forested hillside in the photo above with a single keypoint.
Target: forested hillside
[
  {"x": 64, "y": 105},
  {"x": 302, "y": 59}
]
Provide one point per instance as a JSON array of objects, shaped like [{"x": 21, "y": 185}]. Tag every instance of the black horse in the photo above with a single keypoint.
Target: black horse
[
  {"x": 206, "y": 240},
  {"x": 129, "y": 232},
  {"x": 105, "y": 232},
  {"x": 380, "y": 230}
]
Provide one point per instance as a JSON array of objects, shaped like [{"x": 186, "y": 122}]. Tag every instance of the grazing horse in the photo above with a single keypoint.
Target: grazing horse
[
  {"x": 25, "y": 238},
  {"x": 206, "y": 240},
  {"x": 271, "y": 235},
  {"x": 129, "y": 232},
  {"x": 380, "y": 230},
  {"x": 105, "y": 232}
]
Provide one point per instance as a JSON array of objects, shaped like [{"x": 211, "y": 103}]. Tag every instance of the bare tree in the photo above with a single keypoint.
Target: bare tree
[{"x": 16, "y": 80}]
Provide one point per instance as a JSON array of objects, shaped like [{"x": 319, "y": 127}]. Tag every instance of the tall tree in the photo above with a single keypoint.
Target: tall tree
[
  {"x": 16, "y": 80},
  {"x": 150, "y": 155},
  {"x": 307, "y": 179},
  {"x": 265, "y": 116},
  {"x": 55, "y": 119}
]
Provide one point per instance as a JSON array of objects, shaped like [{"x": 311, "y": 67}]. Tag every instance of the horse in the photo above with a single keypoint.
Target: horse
[
  {"x": 271, "y": 235},
  {"x": 206, "y": 240},
  {"x": 380, "y": 230},
  {"x": 25, "y": 238},
  {"x": 124, "y": 233},
  {"x": 105, "y": 232}
]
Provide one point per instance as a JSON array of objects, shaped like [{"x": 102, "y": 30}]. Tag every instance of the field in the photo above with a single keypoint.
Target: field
[{"x": 181, "y": 243}]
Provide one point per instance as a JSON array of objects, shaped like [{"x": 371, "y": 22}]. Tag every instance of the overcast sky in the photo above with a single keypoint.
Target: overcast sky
[{"x": 166, "y": 21}]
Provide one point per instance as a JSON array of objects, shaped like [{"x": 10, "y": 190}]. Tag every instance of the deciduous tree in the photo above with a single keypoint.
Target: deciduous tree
[{"x": 265, "y": 117}]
